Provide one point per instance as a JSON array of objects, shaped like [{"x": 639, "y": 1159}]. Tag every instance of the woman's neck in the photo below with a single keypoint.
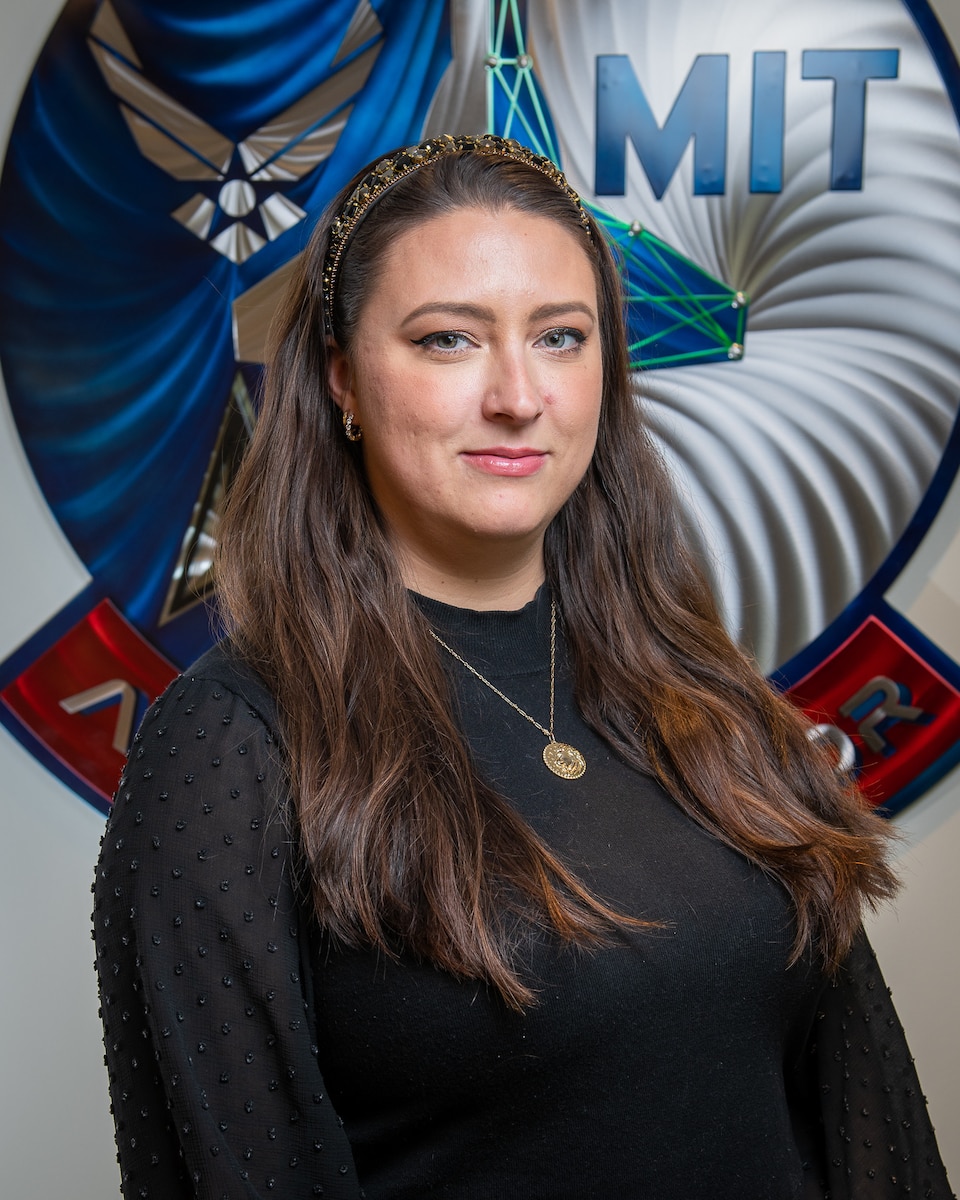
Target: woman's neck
[{"x": 501, "y": 585}]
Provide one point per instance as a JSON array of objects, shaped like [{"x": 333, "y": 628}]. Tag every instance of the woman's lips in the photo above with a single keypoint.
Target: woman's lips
[{"x": 498, "y": 460}]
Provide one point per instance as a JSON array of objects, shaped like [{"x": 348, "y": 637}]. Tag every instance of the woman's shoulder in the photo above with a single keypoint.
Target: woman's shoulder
[
  {"x": 224, "y": 667},
  {"x": 210, "y": 737}
]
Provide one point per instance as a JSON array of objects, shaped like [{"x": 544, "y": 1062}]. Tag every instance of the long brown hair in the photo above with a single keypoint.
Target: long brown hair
[{"x": 404, "y": 844}]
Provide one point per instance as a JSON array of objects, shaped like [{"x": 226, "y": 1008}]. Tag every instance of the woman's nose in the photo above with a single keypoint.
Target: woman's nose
[{"x": 513, "y": 390}]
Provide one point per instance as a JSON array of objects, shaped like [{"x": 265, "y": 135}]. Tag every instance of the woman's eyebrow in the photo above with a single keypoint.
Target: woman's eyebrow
[
  {"x": 560, "y": 308},
  {"x": 452, "y": 308}
]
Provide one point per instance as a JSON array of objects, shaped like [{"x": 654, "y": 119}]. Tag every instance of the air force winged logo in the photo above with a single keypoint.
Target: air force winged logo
[{"x": 239, "y": 206}]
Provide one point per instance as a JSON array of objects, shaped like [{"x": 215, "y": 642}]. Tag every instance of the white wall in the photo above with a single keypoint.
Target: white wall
[
  {"x": 55, "y": 1131},
  {"x": 917, "y": 939},
  {"x": 56, "y": 1135}
]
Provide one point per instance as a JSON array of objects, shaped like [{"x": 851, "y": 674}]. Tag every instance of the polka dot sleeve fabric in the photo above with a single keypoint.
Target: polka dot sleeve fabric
[
  {"x": 880, "y": 1144},
  {"x": 208, "y": 1026}
]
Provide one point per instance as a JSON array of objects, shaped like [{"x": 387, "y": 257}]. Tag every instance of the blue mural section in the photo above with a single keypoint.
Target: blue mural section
[{"x": 115, "y": 318}]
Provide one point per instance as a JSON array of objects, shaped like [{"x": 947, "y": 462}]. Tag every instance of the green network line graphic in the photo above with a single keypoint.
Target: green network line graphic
[
  {"x": 677, "y": 313},
  {"x": 665, "y": 297},
  {"x": 534, "y": 130}
]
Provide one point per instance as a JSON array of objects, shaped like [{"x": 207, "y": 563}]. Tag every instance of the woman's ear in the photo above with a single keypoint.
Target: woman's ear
[{"x": 339, "y": 377}]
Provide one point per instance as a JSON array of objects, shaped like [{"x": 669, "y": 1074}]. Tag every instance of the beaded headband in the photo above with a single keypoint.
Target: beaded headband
[{"x": 402, "y": 163}]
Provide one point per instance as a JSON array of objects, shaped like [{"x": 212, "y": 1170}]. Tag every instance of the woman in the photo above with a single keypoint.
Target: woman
[{"x": 478, "y": 861}]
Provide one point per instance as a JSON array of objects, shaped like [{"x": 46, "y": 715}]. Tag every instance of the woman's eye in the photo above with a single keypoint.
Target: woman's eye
[
  {"x": 562, "y": 339},
  {"x": 446, "y": 339}
]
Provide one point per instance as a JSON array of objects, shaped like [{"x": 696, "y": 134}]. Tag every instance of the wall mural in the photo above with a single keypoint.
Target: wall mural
[{"x": 783, "y": 184}]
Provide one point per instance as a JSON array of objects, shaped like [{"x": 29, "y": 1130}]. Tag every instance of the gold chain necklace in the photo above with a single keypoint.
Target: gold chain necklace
[{"x": 562, "y": 760}]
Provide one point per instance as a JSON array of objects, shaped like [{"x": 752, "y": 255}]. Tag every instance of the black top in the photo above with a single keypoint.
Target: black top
[{"x": 679, "y": 1062}]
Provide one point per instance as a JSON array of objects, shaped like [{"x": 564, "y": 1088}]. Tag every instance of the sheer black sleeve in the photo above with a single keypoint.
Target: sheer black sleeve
[
  {"x": 208, "y": 1023},
  {"x": 878, "y": 1141}
]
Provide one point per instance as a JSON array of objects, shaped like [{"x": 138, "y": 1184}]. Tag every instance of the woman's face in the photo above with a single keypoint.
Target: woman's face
[{"x": 475, "y": 375}]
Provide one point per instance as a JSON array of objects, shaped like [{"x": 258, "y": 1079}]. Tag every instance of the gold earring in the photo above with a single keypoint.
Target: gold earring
[{"x": 353, "y": 432}]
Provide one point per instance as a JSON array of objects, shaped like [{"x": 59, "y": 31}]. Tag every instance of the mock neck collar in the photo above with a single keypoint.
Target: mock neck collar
[{"x": 495, "y": 641}]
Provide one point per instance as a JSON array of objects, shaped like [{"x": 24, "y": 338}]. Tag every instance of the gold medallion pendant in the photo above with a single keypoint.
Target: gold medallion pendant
[{"x": 563, "y": 760}]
